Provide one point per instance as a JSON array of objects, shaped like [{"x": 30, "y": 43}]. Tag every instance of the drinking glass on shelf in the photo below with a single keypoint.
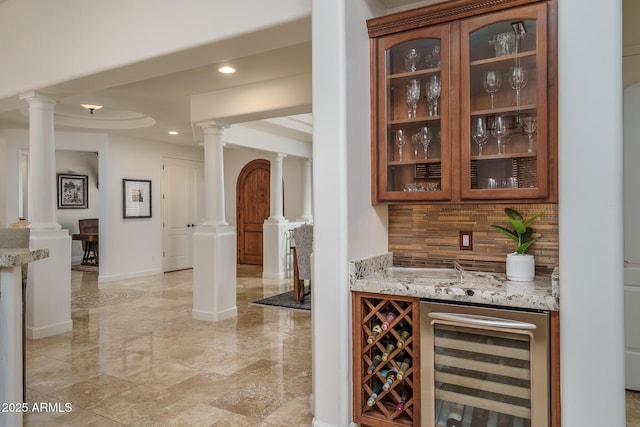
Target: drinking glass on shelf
[
  {"x": 411, "y": 59},
  {"x": 416, "y": 141},
  {"x": 529, "y": 126},
  {"x": 400, "y": 140},
  {"x": 517, "y": 80},
  {"x": 479, "y": 133},
  {"x": 492, "y": 81},
  {"x": 412, "y": 97},
  {"x": 426, "y": 135},
  {"x": 500, "y": 130},
  {"x": 433, "y": 93}
]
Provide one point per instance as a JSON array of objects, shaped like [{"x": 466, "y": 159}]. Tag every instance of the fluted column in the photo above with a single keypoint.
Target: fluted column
[
  {"x": 213, "y": 175},
  {"x": 277, "y": 196},
  {"x": 42, "y": 163},
  {"x": 306, "y": 216}
]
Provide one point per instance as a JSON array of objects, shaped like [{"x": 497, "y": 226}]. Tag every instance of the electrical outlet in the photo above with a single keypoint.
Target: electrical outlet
[{"x": 466, "y": 240}]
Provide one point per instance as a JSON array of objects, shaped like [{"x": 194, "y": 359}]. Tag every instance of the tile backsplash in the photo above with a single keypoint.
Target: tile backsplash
[{"x": 428, "y": 235}]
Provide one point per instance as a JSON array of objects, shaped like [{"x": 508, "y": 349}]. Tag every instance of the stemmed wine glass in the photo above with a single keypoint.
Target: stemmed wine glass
[
  {"x": 529, "y": 126},
  {"x": 492, "y": 82},
  {"x": 411, "y": 59},
  {"x": 416, "y": 140},
  {"x": 517, "y": 80},
  {"x": 433, "y": 93},
  {"x": 400, "y": 140},
  {"x": 479, "y": 133},
  {"x": 413, "y": 96},
  {"x": 426, "y": 135},
  {"x": 500, "y": 130}
]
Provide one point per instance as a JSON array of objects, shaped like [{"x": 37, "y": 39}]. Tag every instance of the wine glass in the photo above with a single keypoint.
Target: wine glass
[
  {"x": 479, "y": 133},
  {"x": 411, "y": 59},
  {"x": 412, "y": 97},
  {"x": 433, "y": 93},
  {"x": 517, "y": 80},
  {"x": 426, "y": 135},
  {"x": 400, "y": 140},
  {"x": 500, "y": 130},
  {"x": 416, "y": 141},
  {"x": 492, "y": 82},
  {"x": 529, "y": 126}
]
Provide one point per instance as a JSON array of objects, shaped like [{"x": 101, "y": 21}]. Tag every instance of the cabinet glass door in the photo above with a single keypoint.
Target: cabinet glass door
[
  {"x": 413, "y": 109},
  {"x": 504, "y": 105}
]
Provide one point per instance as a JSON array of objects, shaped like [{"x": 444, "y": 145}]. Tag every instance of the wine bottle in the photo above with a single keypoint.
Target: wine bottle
[
  {"x": 404, "y": 393},
  {"x": 391, "y": 376},
  {"x": 374, "y": 362},
  {"x": 375, "y": 330},
  {"x": 388, "y": 351},
  {"x": 375, "y": 391},
  {"x": 455, "y": 415},
  {"x": 406, "y": 362},
  {"x": 404, "y": 336},
  {"x": 390, "y": 317}
]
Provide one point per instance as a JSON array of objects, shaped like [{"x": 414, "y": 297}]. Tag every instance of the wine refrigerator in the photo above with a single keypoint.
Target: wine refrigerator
[{"x": 484, "y": 366}]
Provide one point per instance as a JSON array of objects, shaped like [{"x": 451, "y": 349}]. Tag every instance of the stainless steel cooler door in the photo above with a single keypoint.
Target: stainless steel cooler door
[{"x": 483, "y": 366}]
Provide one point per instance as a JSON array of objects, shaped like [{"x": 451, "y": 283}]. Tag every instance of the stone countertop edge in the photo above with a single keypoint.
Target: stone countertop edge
[
  {"x": 15, "y": 257},
  {"x": 368, "y": 275}
]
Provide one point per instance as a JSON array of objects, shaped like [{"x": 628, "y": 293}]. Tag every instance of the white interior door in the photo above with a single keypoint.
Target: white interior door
[{"x": 182, "y": 207}]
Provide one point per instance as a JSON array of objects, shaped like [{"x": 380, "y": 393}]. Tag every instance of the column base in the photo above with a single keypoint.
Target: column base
[
  {"x": 275, "y": 248},
  {"x": 49, "y": 285},
  {"x": 214, "y": 273},
  {"x": 11, "y": 343}
]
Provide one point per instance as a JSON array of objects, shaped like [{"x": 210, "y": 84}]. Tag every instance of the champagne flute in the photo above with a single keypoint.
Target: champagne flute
[
  {"x": 400, "y": 140},
  {"x": 416, "y": 141},
  {"x": 479, "y": 133},
  {"x": 412, "y": 98},
  {"x": 411, "y": 59},
  {"x": 426, "y": 135},
  {"x": 517, "y": 80},
  {"x": 529, "y": 126},
  {"x": 500, "y": 130},
  {"x": 433, "y": 93},
  {"x": 492, "y": 82}
]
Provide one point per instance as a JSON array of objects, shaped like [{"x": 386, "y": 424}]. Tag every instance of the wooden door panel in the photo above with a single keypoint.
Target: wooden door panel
[{"x": 252, "y": 208}]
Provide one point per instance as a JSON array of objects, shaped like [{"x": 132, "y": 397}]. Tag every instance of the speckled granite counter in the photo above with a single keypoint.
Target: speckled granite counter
[
  {"x": 377, "y": 275},
  {"x": 17, "y": 257}
]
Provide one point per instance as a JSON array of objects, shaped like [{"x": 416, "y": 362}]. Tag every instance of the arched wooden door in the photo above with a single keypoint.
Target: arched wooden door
[{"x": 252, "y": 208}]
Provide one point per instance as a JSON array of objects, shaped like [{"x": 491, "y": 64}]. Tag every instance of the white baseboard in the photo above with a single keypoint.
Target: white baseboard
[
  {"x": 214, "y": 317},
  {"x": 632, "y": 368},
  {"x": 49, "y": 330},
  {"x": 122, "y": 276}
]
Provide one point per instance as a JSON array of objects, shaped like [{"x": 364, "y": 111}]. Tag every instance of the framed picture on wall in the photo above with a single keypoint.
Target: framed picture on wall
[
  {"x": 72, "y": 191},
  {"x": 136, "y": 198}
]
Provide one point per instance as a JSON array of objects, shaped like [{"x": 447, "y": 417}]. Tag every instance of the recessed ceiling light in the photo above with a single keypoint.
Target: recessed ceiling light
[
  {"x": 227, "y": 69},
  {"x": 173, "y": 132}
]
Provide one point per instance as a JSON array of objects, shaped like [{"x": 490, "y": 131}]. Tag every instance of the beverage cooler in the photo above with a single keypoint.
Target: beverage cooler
[{"x": 484, "y": 366}]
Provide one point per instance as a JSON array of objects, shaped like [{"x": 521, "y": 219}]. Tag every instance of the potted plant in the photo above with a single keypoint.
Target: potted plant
[{"x": 520, "y": 266}]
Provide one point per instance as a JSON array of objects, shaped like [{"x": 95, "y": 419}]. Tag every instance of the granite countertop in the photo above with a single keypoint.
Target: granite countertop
[
  {"x": 18, "y": 256},
  {"x": 377, "y": 275}
]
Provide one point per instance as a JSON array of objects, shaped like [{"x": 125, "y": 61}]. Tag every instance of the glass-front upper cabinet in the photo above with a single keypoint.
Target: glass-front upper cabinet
[
  {"x": 413, "y": 147},
  {"x": 503, "y": 87}
]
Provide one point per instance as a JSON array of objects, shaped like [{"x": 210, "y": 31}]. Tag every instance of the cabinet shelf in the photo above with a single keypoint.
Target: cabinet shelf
[
  {"x": 503, "y": 110},
  {"x": 413, "y": 162},
  {"x": 503, "y": 156},
  {"x": 408, "y": 75},
  {"x": 526, "y": 57},
  {"x": 416, "y": 121}
]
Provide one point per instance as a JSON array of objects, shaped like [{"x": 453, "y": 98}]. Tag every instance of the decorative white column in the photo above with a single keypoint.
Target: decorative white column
[
  {"x": 48, "y": 302},
  {"x": 306, "y": 216},
  {"x": 214, "y": 242},
  {"x": 274, "y": 230}
]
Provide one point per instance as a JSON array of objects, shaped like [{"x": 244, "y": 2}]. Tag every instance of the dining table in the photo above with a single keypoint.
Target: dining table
[{"x": 90, "y": 245}]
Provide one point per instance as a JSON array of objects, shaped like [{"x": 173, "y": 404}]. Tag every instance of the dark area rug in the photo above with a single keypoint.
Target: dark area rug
[{"x": 285, "y": 300}]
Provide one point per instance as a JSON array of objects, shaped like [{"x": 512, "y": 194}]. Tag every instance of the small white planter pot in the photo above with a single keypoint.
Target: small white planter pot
[{"x": 521, "y": 267}]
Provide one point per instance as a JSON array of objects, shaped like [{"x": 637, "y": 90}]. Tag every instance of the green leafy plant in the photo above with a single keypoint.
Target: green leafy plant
[{"x": 521, "y": 234}]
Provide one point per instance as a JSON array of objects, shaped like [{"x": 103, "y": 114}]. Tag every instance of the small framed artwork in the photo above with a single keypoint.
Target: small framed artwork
[
  {"x": 136, "y": 198},
  {"x": 72, "y": 191}
]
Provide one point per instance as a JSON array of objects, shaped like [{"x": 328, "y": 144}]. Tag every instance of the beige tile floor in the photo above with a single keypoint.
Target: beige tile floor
[{"x": 139, "y": 359}]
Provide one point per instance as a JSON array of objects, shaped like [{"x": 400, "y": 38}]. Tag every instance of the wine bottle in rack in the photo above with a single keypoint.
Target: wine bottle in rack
[
  {"x": 390, "y": 347},
  {"x": 455, "y": 415},
  {"x": 391, "y": 376},
  {"x": 377, "y": 358},
  {"x": 375, "y": 330},
  {"x": 404, "y": 393},
  {"x": 387, "y": 321},
  {"x": 406, "y": 362},
  {"x": 375, "y": 391},
  {"x": 404, "y": 336}
]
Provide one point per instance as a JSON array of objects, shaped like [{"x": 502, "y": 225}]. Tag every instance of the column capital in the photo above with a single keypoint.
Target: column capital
[
  {"x": 37, "y": 97},
  {"x": 212, "y": 125},
  {"x": 279, "y": 156}
]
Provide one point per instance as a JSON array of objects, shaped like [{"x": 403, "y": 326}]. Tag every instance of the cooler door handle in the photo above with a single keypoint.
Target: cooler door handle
[{"x": 478, "y": 320}]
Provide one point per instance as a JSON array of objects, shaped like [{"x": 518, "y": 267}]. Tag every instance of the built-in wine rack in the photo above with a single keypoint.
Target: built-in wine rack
[{"x": 386, "y": 353}]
